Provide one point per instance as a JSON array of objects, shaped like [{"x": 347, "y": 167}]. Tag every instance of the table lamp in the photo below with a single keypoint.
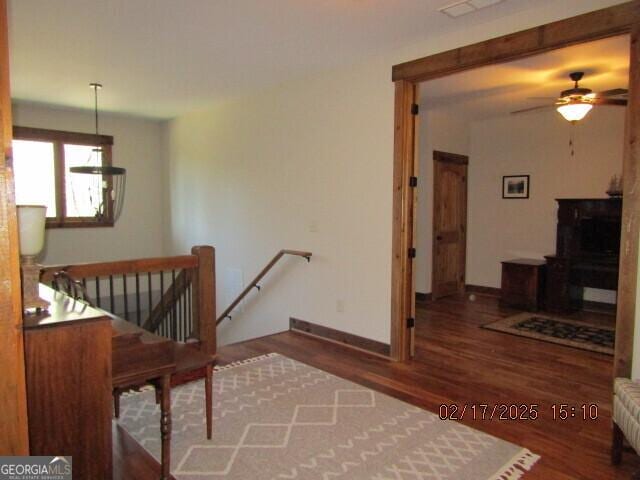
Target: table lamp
[{"x": 31, "y": 221}]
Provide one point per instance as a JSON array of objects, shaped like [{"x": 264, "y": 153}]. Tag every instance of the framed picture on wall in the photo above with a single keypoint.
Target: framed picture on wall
[{"x": 515, "y": 186}]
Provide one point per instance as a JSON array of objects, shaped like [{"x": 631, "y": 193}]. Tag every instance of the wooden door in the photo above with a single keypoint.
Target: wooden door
[
  {"x": 449, "y": 224},
  {"x": 13, "y": 414}
]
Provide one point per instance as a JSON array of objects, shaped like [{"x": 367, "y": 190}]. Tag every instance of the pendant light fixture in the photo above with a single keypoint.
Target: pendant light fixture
[
  {"x": 111, "y": 181},
  {"x": 574, "y": 110}
]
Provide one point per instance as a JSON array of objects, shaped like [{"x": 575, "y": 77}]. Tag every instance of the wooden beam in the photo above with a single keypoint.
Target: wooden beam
[
  {"x": 402, "y": 297},
  {"x": 628, "y": 270},
  {"x": 604, "y": 23},
  {"x": 14, "y": 438}
]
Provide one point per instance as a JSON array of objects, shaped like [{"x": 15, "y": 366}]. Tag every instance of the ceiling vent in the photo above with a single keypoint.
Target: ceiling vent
[{"x": 467, "y": 6}]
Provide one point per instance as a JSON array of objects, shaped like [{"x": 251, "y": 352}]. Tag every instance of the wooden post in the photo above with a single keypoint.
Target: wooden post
[
  {"x": 204, "y": 298},
  {"x": 14, "y": 438},
  {"x": 628, "y": 273},
  {"x": 402, "y": 301}
]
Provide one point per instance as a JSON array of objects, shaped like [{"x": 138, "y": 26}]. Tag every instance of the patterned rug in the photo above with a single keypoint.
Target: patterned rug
[
  {"x": 275, "y": 418},
  {"x": 558, "y": 330}
]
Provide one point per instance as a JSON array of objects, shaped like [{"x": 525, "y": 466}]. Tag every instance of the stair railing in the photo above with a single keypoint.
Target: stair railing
[
  {"x": 171, "y": 296},
  {"x": 255, "y": 282}
]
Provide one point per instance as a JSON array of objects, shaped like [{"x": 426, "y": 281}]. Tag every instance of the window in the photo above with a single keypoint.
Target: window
[{"x": 41, "y": 162}]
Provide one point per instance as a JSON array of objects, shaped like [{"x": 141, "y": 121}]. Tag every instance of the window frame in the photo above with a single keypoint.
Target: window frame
[{"x": 59, "y": 138}]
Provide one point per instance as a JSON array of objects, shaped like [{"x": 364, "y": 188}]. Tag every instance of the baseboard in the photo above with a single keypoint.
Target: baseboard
[
  {"x": 599, "y": 307},
  {"x": 479, "y": 289},
  {"x": 341, "y": 338}
]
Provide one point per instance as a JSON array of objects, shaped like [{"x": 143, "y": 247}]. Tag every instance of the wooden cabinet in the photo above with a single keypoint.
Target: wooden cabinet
[
  {"x": 561, "y": 295},
  {"x": 587, "y": 251},
  {"x": 68, "y": 373},
  {"x": 523, "y": 283}
]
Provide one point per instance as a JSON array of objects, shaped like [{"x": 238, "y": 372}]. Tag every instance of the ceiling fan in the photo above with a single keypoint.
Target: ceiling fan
[{"x": 574, "y": 103}]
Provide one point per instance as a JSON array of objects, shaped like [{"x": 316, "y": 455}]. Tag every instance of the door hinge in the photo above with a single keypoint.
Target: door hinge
[
  {"x": 413, "y": 181},
  {"x": 412, "y": 252},
  {"x": 411, "y": 322},
  {"x": 415, "y": 109}
]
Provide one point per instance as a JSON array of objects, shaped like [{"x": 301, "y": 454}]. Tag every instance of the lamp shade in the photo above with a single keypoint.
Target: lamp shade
[
  {"x": 31, "y": 221},
  {"x": 574, "y": 111}
]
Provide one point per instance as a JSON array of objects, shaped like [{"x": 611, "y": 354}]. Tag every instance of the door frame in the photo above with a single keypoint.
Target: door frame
[
  {"x": 608, "y": 22},
  {"x": 452, "y": 158}
]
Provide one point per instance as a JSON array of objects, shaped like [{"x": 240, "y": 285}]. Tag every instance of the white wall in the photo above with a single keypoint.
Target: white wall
[
  {"x": 253, "y": 175},
  {"x": 137, "y": 147},
  {"x": 444, "y": 131},
  {"x": 536, "y": 144}
]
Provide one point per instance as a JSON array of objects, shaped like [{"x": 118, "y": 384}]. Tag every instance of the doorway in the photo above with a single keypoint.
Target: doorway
[
  {"x": 449, "y": 224},
  {"x": 608, "y": 22}
]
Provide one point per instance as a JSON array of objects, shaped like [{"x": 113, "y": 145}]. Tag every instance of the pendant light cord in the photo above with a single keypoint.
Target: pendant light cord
[
  {"x": 95, "y": 87},
  {"x": 95, "y": 94}
]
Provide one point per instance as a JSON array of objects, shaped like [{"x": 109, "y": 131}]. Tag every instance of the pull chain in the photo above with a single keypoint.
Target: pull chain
[{"x": 571, "y": 136}]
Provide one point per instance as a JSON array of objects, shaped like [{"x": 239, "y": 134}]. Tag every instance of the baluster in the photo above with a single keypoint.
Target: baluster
[
  {"x": 98, "y": 292},
  {"x": 149, "y": 293},
  {"x": 137, "y": 299},
  {"x": 174, "y": 320},
  {"x": 189, "y": 317},
  {"x": 111, "y": 293},
  {"x": 184, "y": 308},
  {"x": 162, "y": 322},
  {"x": 126, "y": 299}
]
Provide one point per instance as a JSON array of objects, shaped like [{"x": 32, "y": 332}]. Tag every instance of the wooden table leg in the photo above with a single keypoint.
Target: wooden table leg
[
  {"x": 208, "y": 401},
  {"x": 165, "y": 426}
]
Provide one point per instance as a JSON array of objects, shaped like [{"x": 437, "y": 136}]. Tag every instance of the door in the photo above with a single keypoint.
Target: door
[{"x": 449, "y": 224}]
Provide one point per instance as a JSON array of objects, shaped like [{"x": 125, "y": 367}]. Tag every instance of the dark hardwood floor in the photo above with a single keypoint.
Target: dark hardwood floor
[{"x": 459, "y": 363}]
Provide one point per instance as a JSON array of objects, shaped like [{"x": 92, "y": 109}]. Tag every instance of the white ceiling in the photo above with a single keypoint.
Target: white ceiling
[
  {"x": 499, "y": 89},
  {"x": 160, "y": 58}
]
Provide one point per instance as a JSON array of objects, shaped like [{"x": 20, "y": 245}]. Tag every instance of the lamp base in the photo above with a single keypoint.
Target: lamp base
[{"x": 30, "y": 287}]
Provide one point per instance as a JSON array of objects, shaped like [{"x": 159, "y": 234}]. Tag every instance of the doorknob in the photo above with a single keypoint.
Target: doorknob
[{"x": 439, "y": 237}]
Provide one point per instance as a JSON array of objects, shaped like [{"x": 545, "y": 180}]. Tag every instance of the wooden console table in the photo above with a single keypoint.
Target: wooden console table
[
  {"x": 68, "y": 374},
  {"x": 75, "y": 356}
]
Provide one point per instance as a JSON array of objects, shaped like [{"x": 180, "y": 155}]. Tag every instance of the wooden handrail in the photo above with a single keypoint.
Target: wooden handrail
[
  {"x": 254, "y": 283},
  {"x": 104, "y": 269}
]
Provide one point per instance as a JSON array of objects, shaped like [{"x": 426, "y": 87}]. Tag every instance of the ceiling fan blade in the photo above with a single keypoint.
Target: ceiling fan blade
[
  {"x": 610, "y": 101},
  {"x": 613, "y": 93},
  {"x": 551, "y": 99},
  {"x": 531, "y": 109}
]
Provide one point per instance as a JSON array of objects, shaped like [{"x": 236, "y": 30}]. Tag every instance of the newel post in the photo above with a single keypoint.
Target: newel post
[{"x": 204, "y": 298}]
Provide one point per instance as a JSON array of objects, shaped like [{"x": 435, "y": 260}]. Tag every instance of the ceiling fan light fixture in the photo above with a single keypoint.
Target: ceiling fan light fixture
[{"x": 574, "y": 111}]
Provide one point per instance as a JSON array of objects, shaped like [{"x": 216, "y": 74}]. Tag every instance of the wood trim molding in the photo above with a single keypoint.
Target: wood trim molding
[
  {"x": 607, "y": 22},
  {"x": 76, "y": 138},
  {"x": 356, "y": 342},
  {"x": 446, "y": 157},
  {"x": 423, "y": 297},
  {"x": 404, "y": 167},
  {"x": 628, "y": 268},
  {"x": 482, "y": 290},
  {"x": 14, "y": 437}
]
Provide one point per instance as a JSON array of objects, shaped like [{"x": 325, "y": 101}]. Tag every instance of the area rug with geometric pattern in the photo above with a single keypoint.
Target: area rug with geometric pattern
[
  {"x": 563, "y": 331},
  {"x": 276, "y": 418}
]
